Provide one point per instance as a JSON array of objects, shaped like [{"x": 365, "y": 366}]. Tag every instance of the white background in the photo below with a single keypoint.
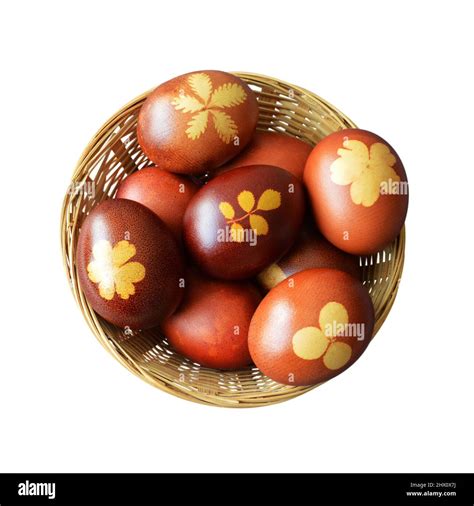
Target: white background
[{"x": 402, "y": 70}]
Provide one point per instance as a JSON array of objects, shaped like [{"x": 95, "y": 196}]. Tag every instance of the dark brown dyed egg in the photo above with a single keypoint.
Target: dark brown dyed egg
[
  {"x": 166, "y": 194},
  {"x": 271, "y": 148},
  {"x": 243, "y": 220},
  {"x": 211, "y": 325},
  {"x": 198, "y": 121},
  {"x": 358, "y": 190},
  {"x": 311, "y": 327},
  {"x": 129, "y": 265},
  {"x": 310, "y": 251}
]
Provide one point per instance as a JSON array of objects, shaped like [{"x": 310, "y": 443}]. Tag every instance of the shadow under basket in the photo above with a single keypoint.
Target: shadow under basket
[{"x": 112, "y": 155}]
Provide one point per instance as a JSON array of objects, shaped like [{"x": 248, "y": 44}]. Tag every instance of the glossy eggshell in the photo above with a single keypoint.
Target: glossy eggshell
[
  {"x": 208, "y": 232},
  {"x": 271, "y": 148},
  {"x": 164, "y": 193},
  {"x": 301, "y": 333},
  {"x": 211, "y": 325},
  {"x": 358, "y": 190},
  {"x": 198, "y": 121},
  {"x": 310, "y": 251},
  {"x": 129, "y": 264}
]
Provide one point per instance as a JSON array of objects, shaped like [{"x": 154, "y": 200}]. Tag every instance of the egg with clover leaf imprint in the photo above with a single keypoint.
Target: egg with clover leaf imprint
[
  {"x": 243, "y": 220},
  {"x": 358, "y": 190},
  {"x": 198, "y": 121},
  {"x": 129, "y": 265},
  {"x": 311, "y": 327}
]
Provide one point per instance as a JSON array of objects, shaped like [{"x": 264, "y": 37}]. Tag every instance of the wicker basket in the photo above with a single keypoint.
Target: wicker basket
[{"x": 114, "y": 153}]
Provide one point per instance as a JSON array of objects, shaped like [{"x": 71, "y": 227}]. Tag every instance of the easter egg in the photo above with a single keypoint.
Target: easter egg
[
  {"x": 311, "y": 327},
  {"x": 310, "y": 251},
  {"x": 164, "y": 193},
  {"x": 129, "y": 265},
  {"x": 243, "y": 220},
  {"x": 271, "y": 148},
  {"x": 198, "y": 121},
  {"x": 358, "y": 190},
  {"x": 211, "y": 325}
]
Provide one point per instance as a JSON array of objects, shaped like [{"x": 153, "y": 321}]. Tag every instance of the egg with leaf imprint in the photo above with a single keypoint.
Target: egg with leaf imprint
[
  {"x": 358, "y": 190},
  {"x": 311, "y": 327},
  {"x": 129, "y": 265},
  {"x": 197, "y": 121},
  {"x": 243, "y": 220}
]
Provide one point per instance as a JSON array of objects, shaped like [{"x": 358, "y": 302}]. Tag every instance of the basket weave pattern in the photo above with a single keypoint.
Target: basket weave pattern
[{"x": 112, "y": 155}]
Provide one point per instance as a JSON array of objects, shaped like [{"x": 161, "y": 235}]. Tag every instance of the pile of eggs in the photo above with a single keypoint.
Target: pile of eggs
[{"x": 243, "y": 246}]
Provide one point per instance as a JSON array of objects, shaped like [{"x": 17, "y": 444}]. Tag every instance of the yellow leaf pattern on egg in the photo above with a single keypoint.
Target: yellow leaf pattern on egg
[
  {"x": 246, "y": 200},
  {"x": 237, "y": 232},
  {"x": 186, "y": 103},
  {"x": 364, "y": 170},
  {"x": 112, "y": 271},
  {"x": 197, "y": 125},
  {"x": 126, "y": 276},
  {"x": 225, "y": 126},
  {"x": 269, "y": 200},
  {"x": 312, "y": 343},
  {"x": 227, "y": 210},
  {"x": 337, "y": 355},
  {"x": 122, "y": 252},
  {"x": 201, "y": 85},
  {"x": 228, "y": 95},
  {"x": 259, "y": 224},
  {"x": 207, "y": 100},
  {"x": 102, "y": 253}
]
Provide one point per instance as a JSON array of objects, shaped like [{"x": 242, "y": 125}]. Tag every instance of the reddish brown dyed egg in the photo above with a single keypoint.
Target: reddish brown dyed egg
[
  {"x": 311, "y": 327},
  {"x": 358, "y": 190},
  {"x": 310, "y": 251},
  {"x": 211, "y": 325},
  {"x": 129, "y": 265},
  {"x": 166, "y": 194},
  {"x": 243, "y": 220},
  {"x": 198, "y": 121},
  {"x": 271, "y": 148}
]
